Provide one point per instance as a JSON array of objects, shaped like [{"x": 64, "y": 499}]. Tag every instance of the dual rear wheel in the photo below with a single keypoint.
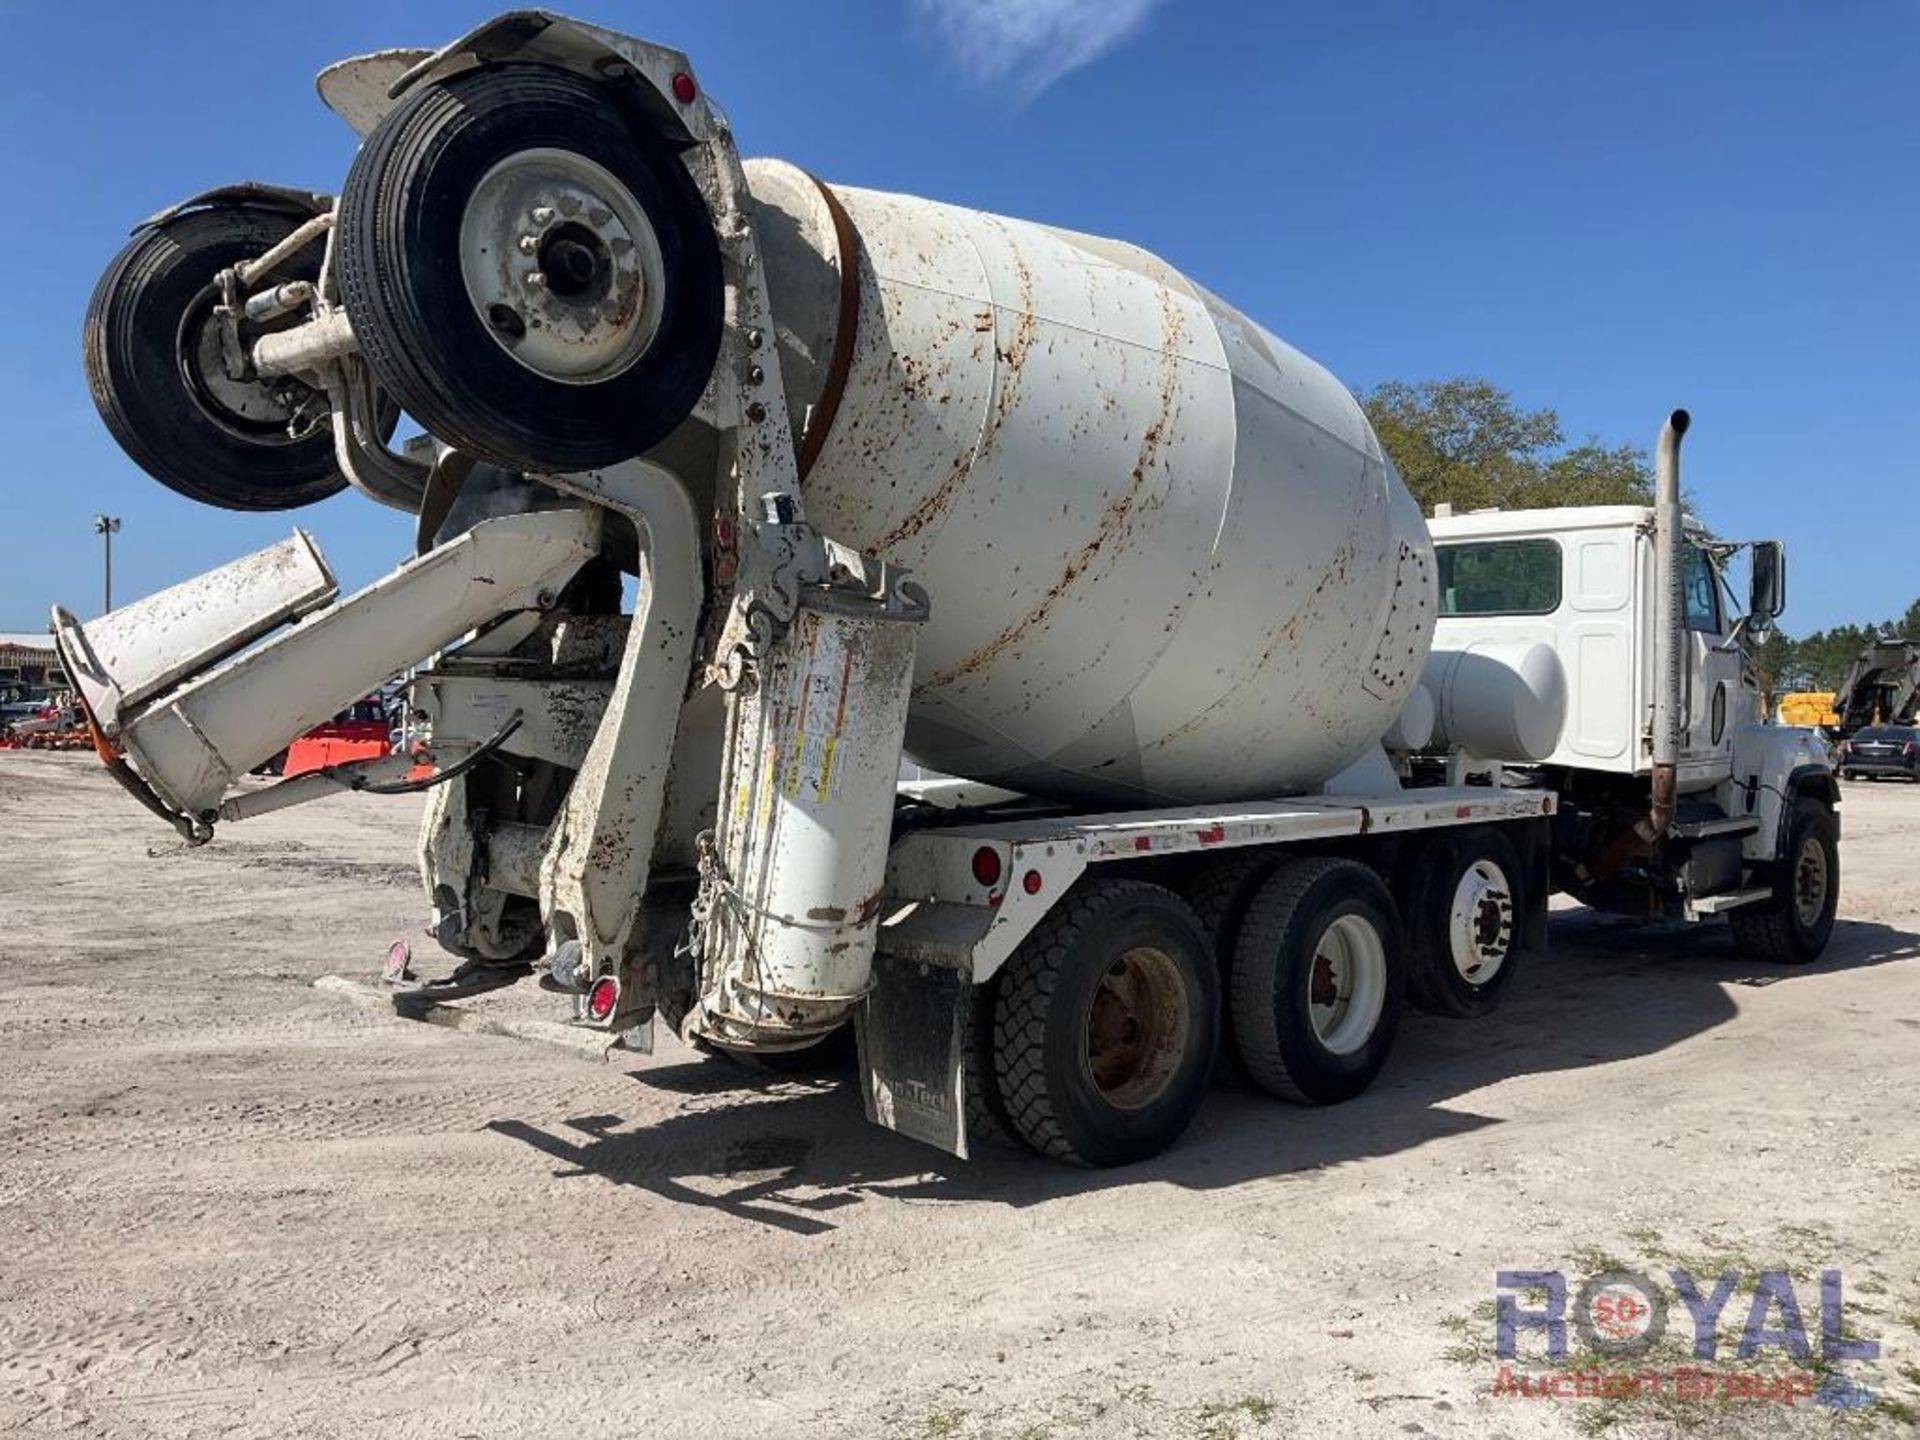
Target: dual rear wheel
[
  {"x": 1107, "y": 1020},
  {"x": 1096, "y": 1042}
]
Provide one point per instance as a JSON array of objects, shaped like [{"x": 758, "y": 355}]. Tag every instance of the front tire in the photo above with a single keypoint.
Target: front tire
[
  {"x": 1793, "y": 926},
  {"x": 1105, "y": 1024},
  {"x": 529, "y": 269},
  {"x": 1318, "y": 977}
]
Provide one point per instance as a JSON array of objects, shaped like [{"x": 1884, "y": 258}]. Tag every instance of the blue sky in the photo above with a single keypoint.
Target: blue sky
[{"x": 1610, "y": 208}]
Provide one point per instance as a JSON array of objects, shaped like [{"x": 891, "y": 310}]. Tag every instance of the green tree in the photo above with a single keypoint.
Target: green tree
[
  {"x": 1465, "y": 442},
  {"x": 1825, "y": 655},
  {"x": 1774, "y": 664}
]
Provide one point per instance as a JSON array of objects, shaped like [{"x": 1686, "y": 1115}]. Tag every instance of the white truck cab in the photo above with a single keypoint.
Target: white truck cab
[{"x": 1584, "y": 583}]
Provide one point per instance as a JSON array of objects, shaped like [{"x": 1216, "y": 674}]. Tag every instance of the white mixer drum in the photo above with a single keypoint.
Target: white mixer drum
[{"x": 1167, "y": 557}]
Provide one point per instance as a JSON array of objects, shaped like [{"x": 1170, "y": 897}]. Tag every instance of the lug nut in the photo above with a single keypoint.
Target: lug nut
[
  {"x": 536, "y": 281},
  {"x": 543, "y": 214},
  {"x": 529, "y": 244}
]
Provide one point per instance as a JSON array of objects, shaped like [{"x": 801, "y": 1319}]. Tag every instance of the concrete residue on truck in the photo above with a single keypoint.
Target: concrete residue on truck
[{"x": 1027, "y": 506}]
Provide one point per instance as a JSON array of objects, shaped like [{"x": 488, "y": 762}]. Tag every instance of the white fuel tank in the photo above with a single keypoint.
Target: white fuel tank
[{"x": 1167, "y": 557}]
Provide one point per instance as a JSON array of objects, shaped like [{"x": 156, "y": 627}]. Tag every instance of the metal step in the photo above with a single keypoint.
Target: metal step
[
  {"x": 1722, "y": 825},
  {"x": 1703, "y": 905}
]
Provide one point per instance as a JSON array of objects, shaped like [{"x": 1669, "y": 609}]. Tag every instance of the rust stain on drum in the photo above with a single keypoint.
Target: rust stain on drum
[
  {"x": 929, "y": 509},
  {"x": 1116, "y": 521},
  {"x": 1282, "y": 637},
  {"x": 1011, "y": 360},
  {"x": 1009, "y": 365}
]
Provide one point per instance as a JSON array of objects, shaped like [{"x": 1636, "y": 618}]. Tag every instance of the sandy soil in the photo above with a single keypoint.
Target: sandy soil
[{"x": 235, "y": 1205}]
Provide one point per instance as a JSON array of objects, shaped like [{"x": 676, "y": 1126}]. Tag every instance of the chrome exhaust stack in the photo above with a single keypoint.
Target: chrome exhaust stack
[{"x": 1669, "y": 657}]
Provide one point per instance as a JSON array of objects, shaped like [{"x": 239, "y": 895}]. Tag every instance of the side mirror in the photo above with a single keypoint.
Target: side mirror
[{"x": 1767, "y": 590}]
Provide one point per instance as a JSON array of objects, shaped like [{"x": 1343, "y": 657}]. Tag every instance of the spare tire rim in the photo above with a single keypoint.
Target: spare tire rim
[
  {"x": 1137, "y": 1028},
  {"x": 1480, "y": 924},
  {"x": 1810, "y": 882},
  {"x": 562, "y": 266},
  {"x": 1347, "y": 984}
]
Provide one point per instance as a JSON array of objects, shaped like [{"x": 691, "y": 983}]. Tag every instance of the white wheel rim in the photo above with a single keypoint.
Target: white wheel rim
[
  {"x": 1480, "y": 923},
  {"x": 562, "y": 266},
  {"x": 1810, "y": 882},
  {"x": 1347, "y": 984}
]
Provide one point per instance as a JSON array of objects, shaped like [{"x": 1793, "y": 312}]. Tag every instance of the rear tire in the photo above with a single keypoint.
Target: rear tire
[
  {"x": 472, "y": 185},
  {"x": 1793, "y": 926},
  {"x": 1106, "y": 1023},
  {"x": 1464, "y": 919},
  {"x": 1318, "y": 977},
  {"x": 152, "y": 356},
  {"x": 1220, "y": 895},
  {"x": 986, "y": 1112}
]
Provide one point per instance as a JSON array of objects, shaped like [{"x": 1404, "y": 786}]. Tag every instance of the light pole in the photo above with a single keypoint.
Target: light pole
[{"x": 106, "y": 527}]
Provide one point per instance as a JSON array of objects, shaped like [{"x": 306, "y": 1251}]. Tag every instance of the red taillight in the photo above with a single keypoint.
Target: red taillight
[
  {"x": 986, "y": 866},
  {"x": 1031, "y": 882},
  {"x": 684, "y": 89},
  {"x": 601, "y": 999}
]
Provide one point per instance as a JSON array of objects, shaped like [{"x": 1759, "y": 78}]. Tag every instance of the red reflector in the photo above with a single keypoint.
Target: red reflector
[
  {"x": 1031, "y": 882},
  {"x": 684, "y": 89},
  {"x": 986, "y": 866},
  {"x": 602, "y": 998}
]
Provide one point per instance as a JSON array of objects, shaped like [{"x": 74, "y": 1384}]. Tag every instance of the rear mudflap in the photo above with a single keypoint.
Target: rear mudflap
[{"x": 914, "y": 1027}]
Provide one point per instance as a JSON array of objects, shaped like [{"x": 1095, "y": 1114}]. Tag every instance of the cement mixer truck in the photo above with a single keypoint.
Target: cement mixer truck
[{"x": 737, "y": 486}]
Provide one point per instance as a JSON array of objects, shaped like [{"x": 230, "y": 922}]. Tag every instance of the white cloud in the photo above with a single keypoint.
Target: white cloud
[{"x": 1029, "y": 44}]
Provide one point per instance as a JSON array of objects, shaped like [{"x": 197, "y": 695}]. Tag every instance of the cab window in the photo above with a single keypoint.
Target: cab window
[
  {"x": 1500, "y": 577},
  {"x": 1700, "y": 587}
]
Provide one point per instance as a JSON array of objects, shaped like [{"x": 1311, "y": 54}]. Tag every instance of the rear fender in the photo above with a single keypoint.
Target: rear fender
[
  {"x": 302, "y": 204},
  {"x": 646, "y": 70}
]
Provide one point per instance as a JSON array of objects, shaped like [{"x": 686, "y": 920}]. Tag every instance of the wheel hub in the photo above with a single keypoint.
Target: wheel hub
[
  {"x": 250, "y": 407},
  {"x": 1810, "y": 882},
  {"x": 1480, "y": 922},
  {"x": 563, "y": 266},
  {"x": 1136, "y": 1028},
  {"x": 1347, "y": 984}
]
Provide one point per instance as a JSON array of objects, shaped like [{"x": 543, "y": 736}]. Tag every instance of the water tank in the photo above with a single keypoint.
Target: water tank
[{"x": 1168, "y": 559}]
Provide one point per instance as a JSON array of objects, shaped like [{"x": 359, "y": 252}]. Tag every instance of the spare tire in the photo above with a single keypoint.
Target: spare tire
[
  {"x": 152, "y": 354},
  {"x": 530, "y": 269}
]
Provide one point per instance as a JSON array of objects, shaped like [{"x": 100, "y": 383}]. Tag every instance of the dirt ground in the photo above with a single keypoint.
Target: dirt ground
[{"x": 235, "y": 1205}]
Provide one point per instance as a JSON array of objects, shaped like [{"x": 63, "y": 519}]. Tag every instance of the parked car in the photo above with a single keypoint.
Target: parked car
[{"x": 1882, "y": 750}]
